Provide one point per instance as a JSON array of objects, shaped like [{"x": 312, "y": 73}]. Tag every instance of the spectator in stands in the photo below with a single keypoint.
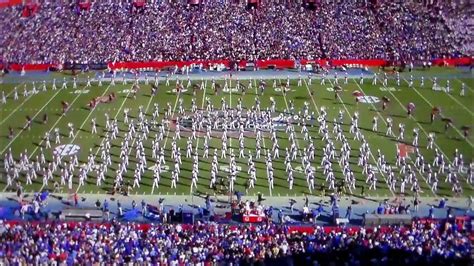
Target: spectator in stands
[
  {"x": 78, "y": 243},
  {"x": 110, "y": 32}
]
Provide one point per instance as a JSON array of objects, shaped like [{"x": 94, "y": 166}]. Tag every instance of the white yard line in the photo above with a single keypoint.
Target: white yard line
[
  {"x": 198, "y": 137},
  {"x": 422, "y": 129},
  {"x": 263, "y": 135},
  {"x": 23, "y": 129},
  {"x": 88, "y": 116},
  {"x": 135, "y": 137},
  {"x": 14, "y": 110},
  {"x": 438, "y": 147},
  {"x": 385, "y": 123},
  {"x": 418, "y": 124},
  {"x": 171, "y": 118},
  {"x": 371, "y": 154},
  {"x": 430, "y": 104},
  {"x": 79, "y": 129},
  {"x": 13, "y": 90},
  {"x": 288, "y": 110},
  {"x": 54, "y": 125},
  {"x": 115, "y": 117},
  {"x": 311, "y": 96},
  {"x": 457, "y": 101},
  {"x": 146, "y": 111},
  {"x": 264, "y": 145},
  {"x": 319, "y": 113},
  {"x": 230, "y": 106},
  {"x": 460, "y": 104},
  {"x": 460, "y": 82},
  {"x": 317, "y": 110},
  {"x": 202, "y": 108}
]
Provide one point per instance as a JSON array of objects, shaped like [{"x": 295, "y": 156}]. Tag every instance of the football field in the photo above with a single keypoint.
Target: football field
[{"x": 314, "y": 95}]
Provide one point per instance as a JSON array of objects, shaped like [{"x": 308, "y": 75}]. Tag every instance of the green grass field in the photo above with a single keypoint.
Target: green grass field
[{"x": 460, "y": 109}]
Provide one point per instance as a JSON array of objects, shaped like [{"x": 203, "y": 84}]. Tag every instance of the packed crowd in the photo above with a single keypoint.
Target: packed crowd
[
  {"x": 79, "y": 243},
  {"x": 110, "y": 31}
]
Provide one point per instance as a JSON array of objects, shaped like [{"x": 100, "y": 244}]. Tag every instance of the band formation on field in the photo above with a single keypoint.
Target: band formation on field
[{"x": 384, "y": 135}]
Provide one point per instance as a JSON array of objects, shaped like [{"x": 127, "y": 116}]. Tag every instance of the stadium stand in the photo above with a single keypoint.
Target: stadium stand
[
  {"x": 421, "y": 243},
  {"x": 216, "y": 30}
]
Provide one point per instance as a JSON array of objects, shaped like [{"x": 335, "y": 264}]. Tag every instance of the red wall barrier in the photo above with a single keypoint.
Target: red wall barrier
[
  {"x": 321, "y": 62},
  {"x": 8, "y": 3},
  {"x": 31, "y": 67},
  {"x": 277, "y": 63},
  {"x": 464, "y": 61},
  {"x": 369, "y": 62},
  {"x": 166, "y": 64}
]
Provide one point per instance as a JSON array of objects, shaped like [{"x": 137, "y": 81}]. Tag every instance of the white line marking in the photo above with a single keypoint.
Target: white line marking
[
  {"x": 371, "y": 154},
  {"x": 429, "y": 103},
  {"x": 54, "y": 125},
  {"x": 171, "y": 118},
  {"x": 23, "y": 129},
  {"x": 460, "y": 82},
  {"x": 16, "y": 109},
  {"x": 383, "y": 120},
  {"x": 419, "y": 125},
  {"x": 87, "y": 118},
  {"x": 458, "y": 102}
]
